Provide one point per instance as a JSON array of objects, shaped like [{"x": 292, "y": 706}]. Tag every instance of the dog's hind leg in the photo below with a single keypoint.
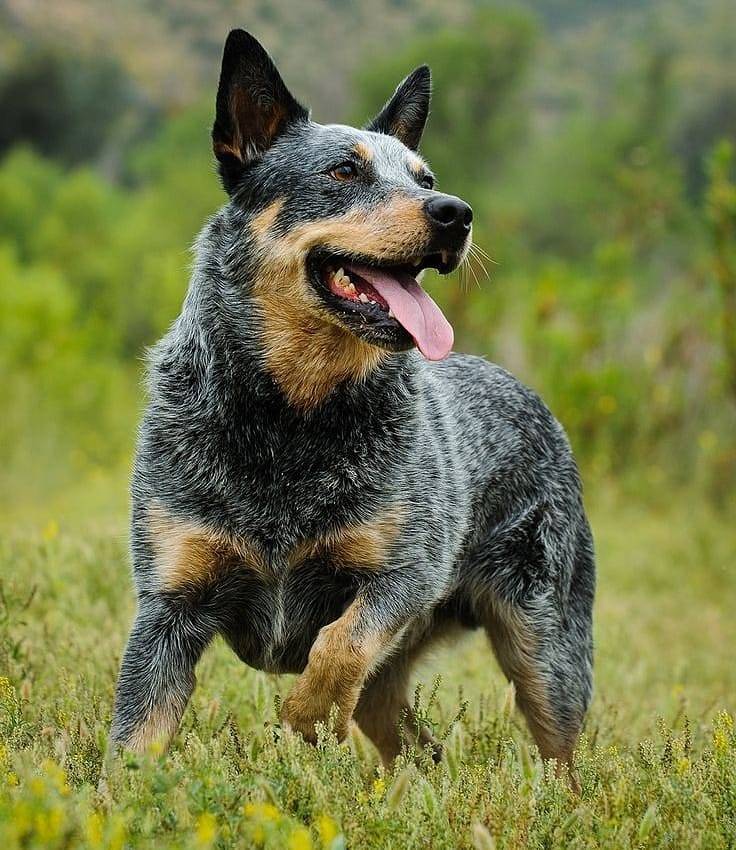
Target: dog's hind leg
[
  {"x": 545, "y": 648},
  {"x": 539, "y": 621},
  {"x": 383, "y": 712},
  {"x": 157, "y": 672},
  {"x": 551, "y": 675}
]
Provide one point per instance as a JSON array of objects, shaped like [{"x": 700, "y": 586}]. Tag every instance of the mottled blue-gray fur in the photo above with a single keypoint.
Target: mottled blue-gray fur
[{"x": 493, "y": 535}]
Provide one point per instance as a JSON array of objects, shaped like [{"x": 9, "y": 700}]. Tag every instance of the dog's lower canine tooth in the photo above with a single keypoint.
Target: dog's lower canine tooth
[
  {"x": 363, "y": 297},
  {"x": 390, "y": 313}
]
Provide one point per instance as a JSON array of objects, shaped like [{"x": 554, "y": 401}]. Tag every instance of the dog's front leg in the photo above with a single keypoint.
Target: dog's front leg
[
  {"x": 157, "y": 672},
  {"x": 346, "y": 652}
]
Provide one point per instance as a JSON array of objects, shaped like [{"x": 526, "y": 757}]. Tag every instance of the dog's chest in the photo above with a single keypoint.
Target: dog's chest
[
  {"x": 270, "y": 603},
  {"x": 277, "y": 617}
]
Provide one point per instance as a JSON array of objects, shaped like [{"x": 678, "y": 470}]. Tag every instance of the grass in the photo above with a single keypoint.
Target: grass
[{"x": 657, "y": 761}]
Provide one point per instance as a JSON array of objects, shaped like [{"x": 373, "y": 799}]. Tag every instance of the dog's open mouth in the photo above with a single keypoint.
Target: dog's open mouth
[{"x": 391, "y": 294}]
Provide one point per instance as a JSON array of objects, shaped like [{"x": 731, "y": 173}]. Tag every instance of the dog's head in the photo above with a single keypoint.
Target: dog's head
[{"x": 341, "y": 220}]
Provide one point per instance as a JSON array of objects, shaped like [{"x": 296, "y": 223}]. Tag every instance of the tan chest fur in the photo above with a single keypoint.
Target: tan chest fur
[{"x": 188, "y": 554}]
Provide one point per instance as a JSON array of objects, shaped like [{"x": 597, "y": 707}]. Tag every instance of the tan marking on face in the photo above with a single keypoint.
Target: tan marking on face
[
  {"x": 156, "y": 732},
  {"x": 307, "y": 350},
  {"x": 364, "y": 151},
  {"x": 339, "y": 663},
  {"x": 262, "y": 222},
  {"x": 417, "y": 164},
  {"x": 190, "y": 555}
]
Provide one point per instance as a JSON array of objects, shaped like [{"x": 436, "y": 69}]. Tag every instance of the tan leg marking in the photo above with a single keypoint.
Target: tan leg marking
[
  {"x": 379, "y": 714},
  {"x": 514, "y": 644},
  {"x": 190, "y": 555},
  {"x": 307, "y": 350},
  {"x": 157, "y": 731},
  {"x": 339, "y": 662},
  {"x": 383, "y": 701}
]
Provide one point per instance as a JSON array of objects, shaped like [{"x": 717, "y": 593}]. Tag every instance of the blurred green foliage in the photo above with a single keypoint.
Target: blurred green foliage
[
  {"x": 611, "y": 289},
  {"x": 477, "y": 73},
  {"x": 69, "y": 107}
]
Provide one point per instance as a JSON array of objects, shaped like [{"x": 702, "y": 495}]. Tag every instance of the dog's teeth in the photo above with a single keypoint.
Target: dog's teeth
[
  {"x": 445, "y": 255},
  {"x": 363, "y": 298},
  {"x": 391, "y": 313}
]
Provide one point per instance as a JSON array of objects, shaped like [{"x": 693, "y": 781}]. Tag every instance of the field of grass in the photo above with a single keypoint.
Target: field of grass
[{"x": 657, "y": 763}]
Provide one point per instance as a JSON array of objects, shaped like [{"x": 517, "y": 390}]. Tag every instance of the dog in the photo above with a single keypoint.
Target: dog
[{"x": 317, "y": 478}]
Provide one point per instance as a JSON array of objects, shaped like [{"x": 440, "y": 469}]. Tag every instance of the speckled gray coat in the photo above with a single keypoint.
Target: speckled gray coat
[{"x": 492, "y": 530}]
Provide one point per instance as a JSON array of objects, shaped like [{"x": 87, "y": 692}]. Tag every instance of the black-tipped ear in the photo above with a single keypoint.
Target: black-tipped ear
[
  {"x": 253, "y": 106},
  {"x": 405, "y": 115}
]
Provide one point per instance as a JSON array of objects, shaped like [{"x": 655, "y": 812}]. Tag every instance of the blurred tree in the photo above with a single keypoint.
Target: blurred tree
[
  {"x": 721, "y": 202},
  {"x": 477, "y": 71},
  {"x": 69, "y": 107},
  {"x": 711, "y": 118},
  {"x": 605, "y": 173}
]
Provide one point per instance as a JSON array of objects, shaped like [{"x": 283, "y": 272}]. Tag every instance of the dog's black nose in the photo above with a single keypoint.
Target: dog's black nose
[{"x": 449, "y": 213}]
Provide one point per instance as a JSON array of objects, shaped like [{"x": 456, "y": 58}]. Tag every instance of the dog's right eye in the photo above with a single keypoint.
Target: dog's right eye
[{"x": 345, "y": 171}]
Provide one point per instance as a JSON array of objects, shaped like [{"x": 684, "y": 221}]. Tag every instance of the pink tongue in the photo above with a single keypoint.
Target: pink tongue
[{"x": 413, "y": 308}]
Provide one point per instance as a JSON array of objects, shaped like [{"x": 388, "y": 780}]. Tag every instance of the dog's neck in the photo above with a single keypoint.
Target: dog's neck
[
  {"x": 261, "y": 331},
  {"x": 266, "y": 355},
  {"x": 308, "y": 358}
]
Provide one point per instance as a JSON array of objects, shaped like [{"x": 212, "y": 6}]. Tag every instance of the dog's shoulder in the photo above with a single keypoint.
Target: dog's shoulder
[
  {"x": 490, "y": 405},
  {"x": 481, "y": 387}
]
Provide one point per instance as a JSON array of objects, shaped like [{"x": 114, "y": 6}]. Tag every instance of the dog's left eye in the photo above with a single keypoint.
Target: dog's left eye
[
  {"x": 344, "y": 171},
  {"x": 426, "y": 181}
]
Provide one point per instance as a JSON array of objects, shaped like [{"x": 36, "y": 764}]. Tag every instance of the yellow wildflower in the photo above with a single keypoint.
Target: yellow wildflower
[
  {"x": 48, "y": 825},
  {"x": 94, "y": 830},
  {"x": 50, "y": 531},
  {"x": 206, "y": 829},
  {"x": 327, "y": 829},
  {"x": 57, "y": 776},
  {"x": 262, "y": 811},
  {"x": 300, "y": 839},
  {"x": 379, "y": 787},
  {"x": 720, "y": 741}
]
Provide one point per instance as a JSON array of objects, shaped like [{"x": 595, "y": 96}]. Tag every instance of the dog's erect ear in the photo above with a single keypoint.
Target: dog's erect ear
[
  {"x": 254, "y": 106},
  {"x": 405, "y": 115}
]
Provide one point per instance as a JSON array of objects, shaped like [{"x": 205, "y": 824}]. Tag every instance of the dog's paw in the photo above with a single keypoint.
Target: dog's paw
[{"x": 301, "y": 715}]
